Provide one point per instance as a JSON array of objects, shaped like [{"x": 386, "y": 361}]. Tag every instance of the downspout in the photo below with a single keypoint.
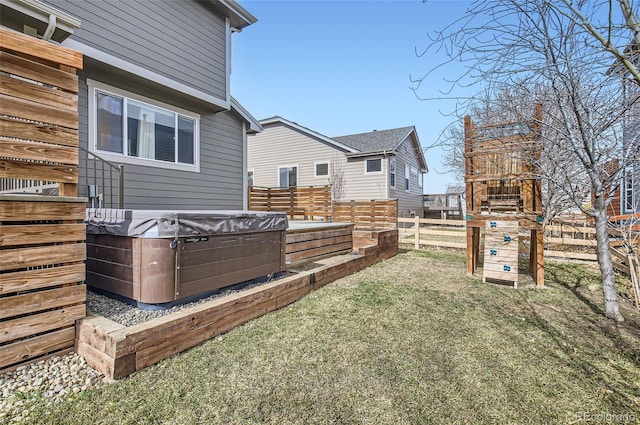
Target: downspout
[
  {"x": 245, "y": 168},
  {"x": 387, "y": 183},
  {"x": 51, "y": 28}
]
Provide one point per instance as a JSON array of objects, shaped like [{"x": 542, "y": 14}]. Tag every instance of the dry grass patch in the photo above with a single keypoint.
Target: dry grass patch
[{"x": 409, "y": 340}]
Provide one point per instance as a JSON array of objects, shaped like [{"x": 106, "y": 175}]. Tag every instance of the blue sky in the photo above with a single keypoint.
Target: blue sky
[{"x": 343, "y": 67}]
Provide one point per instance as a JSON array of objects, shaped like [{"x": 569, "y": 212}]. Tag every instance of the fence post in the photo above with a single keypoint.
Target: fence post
[{"x": 416, "y": 227}]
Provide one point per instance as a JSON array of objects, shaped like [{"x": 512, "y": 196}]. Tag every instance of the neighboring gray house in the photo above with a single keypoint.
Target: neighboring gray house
[
  {"x": 154, "y": 93},
  {"x": 630, "y": 187},
  {"x": 384, "y": 164},
  {"x": 627, "y": 199}
]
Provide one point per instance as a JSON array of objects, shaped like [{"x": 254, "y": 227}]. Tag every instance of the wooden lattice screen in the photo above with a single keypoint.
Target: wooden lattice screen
[{"x": 42, "y": 249}]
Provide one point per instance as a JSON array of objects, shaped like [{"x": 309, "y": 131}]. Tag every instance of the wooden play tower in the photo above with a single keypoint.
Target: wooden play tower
[{"x": 504, "y": 195}]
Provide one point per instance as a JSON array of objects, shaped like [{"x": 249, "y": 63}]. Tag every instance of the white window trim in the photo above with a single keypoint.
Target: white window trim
[
  {"x": 287, "y": 166},
  {"x": 125, "y": 159},
  {"x": 395, "y": 172},
  {"x": 367, "y": 173},
  {"x": 315, "y": 170},
  {"x": 407, "y": 179},
  {"x": 628, "y": 175},
  {"x": 418, "y": 175}
]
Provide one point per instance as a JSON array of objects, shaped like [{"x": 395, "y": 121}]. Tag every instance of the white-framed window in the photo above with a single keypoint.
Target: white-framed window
[
  {"x": 407, "y": 179},
  {"x": 321, "y": 169},
  {"x": 130, "y": 128},
  {"x": 250, "y": 177},
  {"x": 392, "y": 172},
  {"x": 415, "y": 176},
  {"x": 628, "y": 203},
  {"x": 373, "y": 166},
  {"x": 288, "y": 175},
  {"x": 420, "y": 178}
]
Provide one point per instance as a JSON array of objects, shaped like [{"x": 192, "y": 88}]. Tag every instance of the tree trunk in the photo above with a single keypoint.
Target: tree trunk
[{"x": 611, "y": 309}]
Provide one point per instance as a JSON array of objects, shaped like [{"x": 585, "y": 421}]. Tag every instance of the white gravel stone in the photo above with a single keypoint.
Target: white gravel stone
[{"x": 41, "y": 383}]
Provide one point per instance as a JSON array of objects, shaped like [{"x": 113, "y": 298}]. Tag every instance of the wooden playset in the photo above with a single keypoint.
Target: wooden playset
[{"x": 504, "y": 195}]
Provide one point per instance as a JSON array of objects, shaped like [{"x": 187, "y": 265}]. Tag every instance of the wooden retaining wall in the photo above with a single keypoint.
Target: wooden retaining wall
[
  {"x": 307, "y": 245},
  {"x": 306, "y": 203},
  {"x": 117, "y": 351},
  {"x": 41, "y": 237},
  {"x": 373, "y": 214}
]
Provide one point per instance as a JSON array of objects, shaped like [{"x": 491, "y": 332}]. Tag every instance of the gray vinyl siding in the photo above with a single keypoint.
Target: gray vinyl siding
[
  {"x": 279, "y": 145},
  {"x": 218, "y": 185},
  {"x": 181, "y": 40},
  {"x": 412, "y": 200}
]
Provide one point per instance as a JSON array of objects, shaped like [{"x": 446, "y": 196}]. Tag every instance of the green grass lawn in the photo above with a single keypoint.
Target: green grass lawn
[{"x": 410, "y": 340}]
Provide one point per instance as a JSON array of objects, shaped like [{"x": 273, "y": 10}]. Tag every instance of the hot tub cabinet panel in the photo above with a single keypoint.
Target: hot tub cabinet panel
[
  {"x": 225, "y": 260},
  {"x": 158, "y": 269}
]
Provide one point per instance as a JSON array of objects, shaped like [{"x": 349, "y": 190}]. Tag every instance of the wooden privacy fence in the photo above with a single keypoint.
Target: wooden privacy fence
[
  {"x": 374, "y": 214},
  {"x": 41, "y": 237},
  {"x": 315, "y": 202},
  {"x": 298, "y": 202}
]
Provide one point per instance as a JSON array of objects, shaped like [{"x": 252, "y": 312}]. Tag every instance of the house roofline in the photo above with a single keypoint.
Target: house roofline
[
  {"x": 393, "y": 152},
  {"x": 402, "y": 139},
  {"x": 254, "y": 124},
  {"x": 238, "y": 15},
  {"x": 371, "y": 153},
  {"x": 279, "y": 119},
  {"x": 423, "y": 160}
]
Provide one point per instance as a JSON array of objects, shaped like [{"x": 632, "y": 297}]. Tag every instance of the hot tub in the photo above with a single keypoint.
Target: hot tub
[{"x": 164, "y": 257}]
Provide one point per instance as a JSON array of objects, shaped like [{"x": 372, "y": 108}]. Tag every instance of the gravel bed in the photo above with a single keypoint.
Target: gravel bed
[
  {"x": 44, "y": 383},
  {"x": 129, "y": 315}
]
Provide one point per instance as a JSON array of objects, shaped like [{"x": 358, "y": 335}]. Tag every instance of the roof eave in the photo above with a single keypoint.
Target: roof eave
[
  {"x": 254, "y": 124},
  {"x": 278, "y": 119},
  {"x": 421, "y": 158},
  {"x": 41, "y": 11},
  {"x": 239, "y": 17},
  {"x": 372, "y": 153},
  {"x": 403, "y": 138}
]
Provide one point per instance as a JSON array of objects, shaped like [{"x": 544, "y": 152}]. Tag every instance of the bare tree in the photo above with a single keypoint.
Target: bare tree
[
  {"x": 521, "y": 46},
  {"x": 337, "y": 179}
]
